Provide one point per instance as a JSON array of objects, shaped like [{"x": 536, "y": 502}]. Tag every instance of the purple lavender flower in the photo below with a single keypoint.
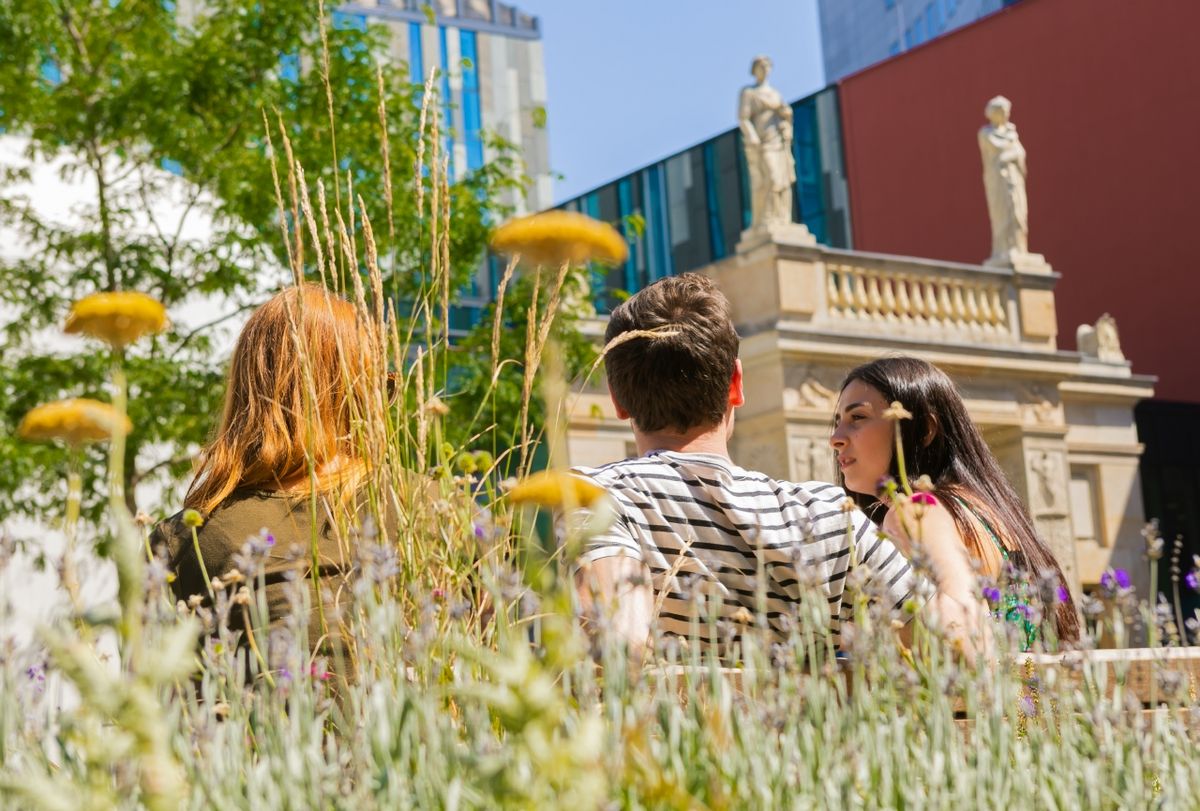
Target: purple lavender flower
[
  {"x": 1192, "y": 579},
  {"x": 991, "y": 594},
  {"x": 1114, "y": 579},
  {"x": 1062, "y": 594}
]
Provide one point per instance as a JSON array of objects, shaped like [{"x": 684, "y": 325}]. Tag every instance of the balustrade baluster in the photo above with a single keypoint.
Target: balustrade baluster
[
  {"x": 888, "y": 296},
  {"x": 931, "y": 303},
  {"x": 904, "y": 307},
  {"x": 845, "y": 279},
  {"x": 919, "y": 307},
  {"x": 999, "y": 311},
  {"x": 831, "y": 291},
  {"x": 960, "y": 306},
  {"x": 985, "y": 308},
  {"x": 973, "y": 313},
  {"x": 874, "y": 300},
  {"x": 945, "y": 306},
  {"x": 861, "y": 302}
]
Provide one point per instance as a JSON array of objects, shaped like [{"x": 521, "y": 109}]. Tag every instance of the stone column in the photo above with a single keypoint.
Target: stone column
[{"x": 1036, "y": 461}]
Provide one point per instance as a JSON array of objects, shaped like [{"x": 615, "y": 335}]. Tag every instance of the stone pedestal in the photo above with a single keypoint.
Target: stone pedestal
[
  {"x": 1021, "y": 262},
  {"x": 791, "y": 233}
]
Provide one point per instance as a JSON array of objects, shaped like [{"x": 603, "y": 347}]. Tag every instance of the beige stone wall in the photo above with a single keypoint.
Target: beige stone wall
[{"x": 1060, "y": 423}]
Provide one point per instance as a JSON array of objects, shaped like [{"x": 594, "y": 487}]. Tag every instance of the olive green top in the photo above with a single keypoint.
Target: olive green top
[{"x": 282, "y": 526}]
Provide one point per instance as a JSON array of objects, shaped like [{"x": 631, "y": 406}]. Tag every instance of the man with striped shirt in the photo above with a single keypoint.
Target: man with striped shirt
[{"x": 689, "y": 521}]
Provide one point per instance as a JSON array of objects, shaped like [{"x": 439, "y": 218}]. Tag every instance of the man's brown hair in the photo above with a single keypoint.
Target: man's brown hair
[{"x": 673, "y": 381}]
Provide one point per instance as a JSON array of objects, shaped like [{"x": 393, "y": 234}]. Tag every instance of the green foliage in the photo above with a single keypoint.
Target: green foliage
[
  {"x": 489, "y": 418},
  {"x": 111, "y": 91}
]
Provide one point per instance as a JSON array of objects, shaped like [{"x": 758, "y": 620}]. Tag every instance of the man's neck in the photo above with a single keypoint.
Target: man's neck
[{"x": 704, "y": 439}]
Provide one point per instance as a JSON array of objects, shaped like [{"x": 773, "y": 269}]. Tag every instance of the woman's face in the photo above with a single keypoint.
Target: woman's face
[{"x": 862, "y": 437}]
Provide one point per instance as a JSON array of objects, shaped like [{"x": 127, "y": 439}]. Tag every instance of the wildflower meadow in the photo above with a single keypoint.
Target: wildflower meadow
[{"x": 469, "y": 678}]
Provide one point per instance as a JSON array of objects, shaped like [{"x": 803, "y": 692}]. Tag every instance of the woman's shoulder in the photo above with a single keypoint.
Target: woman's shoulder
[{"x": 911, "y": 518}]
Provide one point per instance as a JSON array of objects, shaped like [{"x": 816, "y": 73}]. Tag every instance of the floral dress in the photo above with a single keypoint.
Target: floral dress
[{"x": 1012, "y": 605}]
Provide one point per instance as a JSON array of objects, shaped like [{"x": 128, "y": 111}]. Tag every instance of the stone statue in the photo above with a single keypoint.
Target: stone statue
[
  {"x": 1004, "y": 181},
  {"x": 1100, "y": 341},
  {"x": 765, "y": 120}
]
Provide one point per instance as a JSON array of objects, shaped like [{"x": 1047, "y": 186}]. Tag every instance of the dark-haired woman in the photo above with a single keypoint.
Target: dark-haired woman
[{"x": 974, "y": 499}]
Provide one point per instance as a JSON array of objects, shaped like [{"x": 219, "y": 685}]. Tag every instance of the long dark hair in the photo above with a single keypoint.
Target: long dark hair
[{"x": 942, "y": 442}]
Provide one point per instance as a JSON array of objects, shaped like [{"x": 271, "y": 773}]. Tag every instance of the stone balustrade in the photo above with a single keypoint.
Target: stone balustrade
[{"x": 927, "y": 299}]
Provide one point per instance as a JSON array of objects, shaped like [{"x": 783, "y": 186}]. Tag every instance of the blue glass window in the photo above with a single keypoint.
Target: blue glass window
[
  {"x": 416, "y": 60},
  {"x": 918, "y": 30},
  {"x": 810, "y": 191},
  {"x": 713, "y": 202},
  {"x": 447, "y": 140},
  {"x": 888, "y": 5},
  {"x": 894, "y": 48},
  {"x": 935, "y": 23},
  {"x": 659, "y": 259},
  {"x": 472, "y": 118},
  {"x": 624, "y": 209}
]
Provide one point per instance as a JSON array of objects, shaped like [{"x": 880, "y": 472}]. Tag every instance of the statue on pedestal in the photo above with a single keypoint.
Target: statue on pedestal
[
  {"x": 1004, "y": 182},
  {"x": 765, "y": 120}
]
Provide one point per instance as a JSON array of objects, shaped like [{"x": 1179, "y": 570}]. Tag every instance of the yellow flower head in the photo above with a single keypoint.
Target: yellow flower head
[
  {"x": 896, "y": 411},
  {"x": 75, "y": 422},
  {"x": 555, "y": 489},
  {"x": 555, "y": 237},
  {"x": 117, "y": 318}
]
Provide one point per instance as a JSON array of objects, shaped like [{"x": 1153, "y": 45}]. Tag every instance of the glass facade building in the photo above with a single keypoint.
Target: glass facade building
[
  {"x": 694, "y": 205},
  {"x": 491, "y": 77},
  {"x": 858, "y": 33}
]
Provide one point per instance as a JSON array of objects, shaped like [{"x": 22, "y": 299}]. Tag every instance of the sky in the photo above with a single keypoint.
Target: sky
[{"x": 632, "y": 81}]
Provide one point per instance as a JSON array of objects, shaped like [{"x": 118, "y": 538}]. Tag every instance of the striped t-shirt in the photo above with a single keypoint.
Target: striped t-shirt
[{"x": 701, "y": 523}]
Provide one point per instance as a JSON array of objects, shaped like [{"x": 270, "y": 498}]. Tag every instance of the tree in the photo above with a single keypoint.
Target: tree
[{"x": 118, "y": 91}]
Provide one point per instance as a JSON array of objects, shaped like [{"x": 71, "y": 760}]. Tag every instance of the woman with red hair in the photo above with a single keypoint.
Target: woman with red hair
[{"x": 266, "y": 492}]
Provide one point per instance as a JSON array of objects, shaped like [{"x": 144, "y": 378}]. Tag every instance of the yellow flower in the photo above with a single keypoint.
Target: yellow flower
[
  {"x": 554, "y": 488},
  {"x": 742, "y": 616},
  {"x": 75, "y": 422},
  {"x": 554, "y": 237},
  {"x": 896, "y": 412},
  {"x": 117, "y": 318}
]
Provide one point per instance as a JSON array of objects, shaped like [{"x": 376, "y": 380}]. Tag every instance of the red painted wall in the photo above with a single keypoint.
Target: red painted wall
[{"x": 1106, "y": 98}]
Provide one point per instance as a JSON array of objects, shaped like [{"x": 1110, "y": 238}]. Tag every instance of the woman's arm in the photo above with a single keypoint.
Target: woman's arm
[{"x": 956, "y": 607}]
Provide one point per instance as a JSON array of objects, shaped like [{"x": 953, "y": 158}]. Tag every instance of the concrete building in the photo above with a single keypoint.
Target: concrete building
[
  {"x": 858, "y": 33},
  {"x": 492, "y": 76}
]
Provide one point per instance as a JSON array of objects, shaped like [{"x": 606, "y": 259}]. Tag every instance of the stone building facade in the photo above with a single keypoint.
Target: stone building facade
[{"x": 1060, "y": 422}]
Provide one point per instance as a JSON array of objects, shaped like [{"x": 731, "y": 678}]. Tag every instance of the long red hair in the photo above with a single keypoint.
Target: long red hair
[{"x": 298, "y": 365}]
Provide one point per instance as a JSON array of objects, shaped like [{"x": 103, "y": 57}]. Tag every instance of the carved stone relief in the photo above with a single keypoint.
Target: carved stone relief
[
  {"x": 811, "y": 386},
  {"x": 809, "y": 459},
  {"x": 1040, "y": 404}
]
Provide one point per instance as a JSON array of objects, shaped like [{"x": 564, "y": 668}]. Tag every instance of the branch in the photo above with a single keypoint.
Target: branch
[
  {"x": 141, "y": 475},
  {"x": 193, "y": 333}
]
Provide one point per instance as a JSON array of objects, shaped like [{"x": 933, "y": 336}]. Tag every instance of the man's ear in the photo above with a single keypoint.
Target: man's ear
[
  {"x": 622, "y": 414},
  {"x": 737, "y": 394}
]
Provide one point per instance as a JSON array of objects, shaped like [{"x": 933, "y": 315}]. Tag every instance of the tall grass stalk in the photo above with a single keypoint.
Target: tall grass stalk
[{"x": 450, "y": 704}]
